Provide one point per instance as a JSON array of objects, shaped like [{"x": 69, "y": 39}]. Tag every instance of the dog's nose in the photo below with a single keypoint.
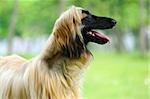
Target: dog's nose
[{"x": 113, "y": 21}]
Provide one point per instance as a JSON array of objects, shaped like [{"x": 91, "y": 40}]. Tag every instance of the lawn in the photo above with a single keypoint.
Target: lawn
[{"x": 117, "y": 76}]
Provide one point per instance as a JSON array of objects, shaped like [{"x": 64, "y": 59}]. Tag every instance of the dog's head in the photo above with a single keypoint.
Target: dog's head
[
  {"x": 90, "y": 22},
  {"x": 76, "y": 27}
]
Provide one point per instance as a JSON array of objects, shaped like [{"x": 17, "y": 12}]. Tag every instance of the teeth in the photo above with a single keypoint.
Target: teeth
[{"x": 91, "y": 33}]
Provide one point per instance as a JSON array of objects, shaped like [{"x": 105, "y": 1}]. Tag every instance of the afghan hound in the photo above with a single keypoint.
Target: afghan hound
[{"x": 56, "y": 72}]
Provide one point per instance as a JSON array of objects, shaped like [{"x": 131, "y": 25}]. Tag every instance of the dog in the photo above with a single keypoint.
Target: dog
[{"x": 56, "y": 72}]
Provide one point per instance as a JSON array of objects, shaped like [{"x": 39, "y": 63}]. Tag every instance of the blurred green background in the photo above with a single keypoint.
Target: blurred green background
[{"x": 119, "y": 70}]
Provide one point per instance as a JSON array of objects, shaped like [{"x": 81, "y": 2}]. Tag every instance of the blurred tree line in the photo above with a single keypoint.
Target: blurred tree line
[{"x": 26, "y": 18}]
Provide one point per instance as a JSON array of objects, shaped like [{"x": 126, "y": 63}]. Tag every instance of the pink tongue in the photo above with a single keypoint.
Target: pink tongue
[{"x": 100, "y": 35}]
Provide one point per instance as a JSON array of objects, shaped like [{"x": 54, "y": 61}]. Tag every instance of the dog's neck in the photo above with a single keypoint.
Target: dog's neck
[
  {"x": 68, "y": 69},
  {"x": 52, "y": 55},
  {"x": 51, "y": 49}
]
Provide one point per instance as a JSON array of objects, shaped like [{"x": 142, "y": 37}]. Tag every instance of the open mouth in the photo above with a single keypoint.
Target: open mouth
[
  {"x": 92, "y": 22},
  {"x": 97, "y": 37}
]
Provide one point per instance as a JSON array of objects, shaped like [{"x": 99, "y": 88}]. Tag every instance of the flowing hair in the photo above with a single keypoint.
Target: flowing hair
[{"x": 55, "y": 73}]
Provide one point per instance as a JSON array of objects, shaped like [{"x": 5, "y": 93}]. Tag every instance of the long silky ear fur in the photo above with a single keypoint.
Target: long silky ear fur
[
  {"x": 74, "y": 48},
  {"x": 67, "y": 31}
]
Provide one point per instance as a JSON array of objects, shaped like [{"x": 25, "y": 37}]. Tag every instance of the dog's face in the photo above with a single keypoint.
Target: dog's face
[
  {"x": 91, "y": 22},
  {"x": 74, "y": 29}
]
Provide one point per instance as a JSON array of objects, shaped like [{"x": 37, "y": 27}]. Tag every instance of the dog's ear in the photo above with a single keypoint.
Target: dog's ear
[{"x": 74, "y": 48}]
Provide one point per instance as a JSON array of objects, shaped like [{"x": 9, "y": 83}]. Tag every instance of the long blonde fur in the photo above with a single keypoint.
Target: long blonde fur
[{"x": 50, "y": 75}]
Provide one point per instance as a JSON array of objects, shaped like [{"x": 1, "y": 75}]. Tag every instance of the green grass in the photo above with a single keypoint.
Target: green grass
[{"x": 116, "y": 76}]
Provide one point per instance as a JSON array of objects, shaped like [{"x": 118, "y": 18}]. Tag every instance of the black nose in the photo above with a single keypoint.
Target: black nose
[{"x": 113, "y": 21}]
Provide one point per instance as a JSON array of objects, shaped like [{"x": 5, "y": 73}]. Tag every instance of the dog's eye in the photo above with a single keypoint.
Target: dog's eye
[
  {"x": 87, "y": 18},
  {"x": 85, "y": 11}
]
